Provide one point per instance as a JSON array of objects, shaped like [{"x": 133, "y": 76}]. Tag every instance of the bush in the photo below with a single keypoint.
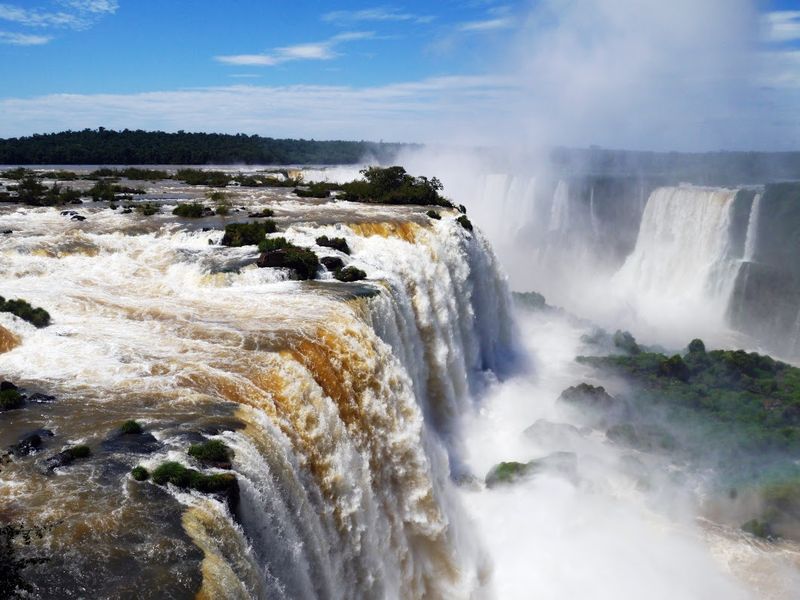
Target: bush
[
  {"x": 350, "y": 274},
  {"x": 696, "y": 346},
  {"x": 38, "y": 317},
  {"x": 182, "y": 477},
  {"x": 465, "y": 222},
  {"x": 674, "y": 367},
  {"x": 139, "y": 473},
  {"x": 212, "y": 451},
  {"x": 336, "y": 243},
  {"x": 131, "y": 427},
  {"x": 434, "y": 215},
  {"x": 79, "y": 451},
  {"x": 199, "y": 177},
  {"x": 392, "y": 185},
  {"x": 190, "y": 210},
  {"x": 247, "y": 234},
  {"x": 147, "y": 209},
  {"x": 280, "y": 254},
  {"x": 626, "y": 342},
  {"x": 266, "y": 213}
]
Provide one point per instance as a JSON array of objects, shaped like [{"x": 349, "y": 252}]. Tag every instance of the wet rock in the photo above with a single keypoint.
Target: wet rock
[
  {"x": 561, "y": 463},
  {"x": 549, "y": 433},
  {"x": 78, "y": 218},
  {"x": 332, "y": 263},
  {"x": 40, "y": 398},
  {"x": 68, "y": 213},
  {"x": 141, "y": 443},
  {"x": 7, "y": 231},
  {"x": 30, "y": 443},
  {"x": 65, "y": 458}
]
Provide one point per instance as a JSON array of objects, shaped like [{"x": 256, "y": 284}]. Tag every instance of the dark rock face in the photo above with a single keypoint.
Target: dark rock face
[
  {"x": 142, "y": 443},
  {"x": 547, "y": 432},
  {"x": 78, "y": 218},
  {"x": 62, "y": 459},
  {"x": 278, "y": 259},
  {"x": 30, "y": 443},
  {"x": 332, "y": 263}
]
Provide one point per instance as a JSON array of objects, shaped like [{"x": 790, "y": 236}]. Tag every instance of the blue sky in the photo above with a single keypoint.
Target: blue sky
[{"x": 403, "y": 71}]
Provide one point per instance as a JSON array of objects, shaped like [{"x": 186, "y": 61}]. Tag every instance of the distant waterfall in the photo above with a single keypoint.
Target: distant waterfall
[
  {"x": 752, "y": 230},
  {"x": 684, "y": 253}
]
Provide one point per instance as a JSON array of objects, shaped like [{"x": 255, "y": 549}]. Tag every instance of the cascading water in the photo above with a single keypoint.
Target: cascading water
[
  {"x": 683, "y": 267},
  {"x": 752, "y": 229},
  {"x": 340, "y": 402}
]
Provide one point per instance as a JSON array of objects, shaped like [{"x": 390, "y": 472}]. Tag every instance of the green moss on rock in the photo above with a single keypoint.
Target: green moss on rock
[{"x": 247, "y": 234}]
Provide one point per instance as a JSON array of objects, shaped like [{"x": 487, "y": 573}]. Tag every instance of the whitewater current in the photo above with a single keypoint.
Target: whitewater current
[{"x": 340, "y": 401}]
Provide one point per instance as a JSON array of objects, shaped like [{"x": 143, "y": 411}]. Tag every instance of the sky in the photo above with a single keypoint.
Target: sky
[{"x": 640, "y": 74}]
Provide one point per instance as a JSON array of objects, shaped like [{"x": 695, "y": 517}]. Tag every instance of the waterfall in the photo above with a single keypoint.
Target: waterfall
[
  {"x": 345, "y": 399},
  {"x": 752, "y": 230},
  {"x": 559, "y": 212},
  {"x": 683, "y": 259},
  {"x": 593, "y": 214}
]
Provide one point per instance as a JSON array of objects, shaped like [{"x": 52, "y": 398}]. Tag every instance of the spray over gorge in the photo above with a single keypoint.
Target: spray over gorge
[{"x": 467, "y": 300}]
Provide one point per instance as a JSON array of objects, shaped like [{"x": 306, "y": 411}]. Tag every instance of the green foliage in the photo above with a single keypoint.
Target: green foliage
[
  {"x": 30, "y": 191},
  {"x": 281, "y": 254},
  {"x": 189, "y": 210},
  {"x": 434, "y": 215},
  {"x": 464, "y": 222},
  {"x": 759, "y": 529},
  {"x": 392, "y": 185},
  {"x": 201, "y": 177},
  {"x": 105, "y": 190},
  {"x": 336, "y": 243},
  {"x": 674, "y": 367},
  {"x": 131, "y": 427},
  {"x": 266, "y": 213},
  {"x": 350, "y": 274},
  {"x": 182, "y": 477},
  {"x": 696, "y": 346},
  {"x": 212, "y": 451},
  {"x": 105, "y": 146},
  {"x": 275, "y": 243},
  {"x": 139, "y": 473},
  {"x": 506, "y": 473},
  {"x": 319, "y": 189},
  {"x": 11, "y": 399},
  {"x": 147, "y": 209},
  {"x": 247, "y": 234},
  {"x": 18, "y": 174},
  {"x": 38, "y": 317},
  {"x": 626, "y": 342}
]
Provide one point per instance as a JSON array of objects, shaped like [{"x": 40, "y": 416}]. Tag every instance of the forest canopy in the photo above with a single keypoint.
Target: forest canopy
[{"x": 129, "y": 147}]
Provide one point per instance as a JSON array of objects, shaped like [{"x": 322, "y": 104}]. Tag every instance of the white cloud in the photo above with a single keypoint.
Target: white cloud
[
  {"x": 487, "y": 25},
  {"x": 781, "y": 26},
  {"x": 378, "y": 13},
  {"x": 76, "y": 14},
  {"x": 411, "y": 111},
  {"x": 311, "y": 51},
  {"x": 23, "y": 39}
]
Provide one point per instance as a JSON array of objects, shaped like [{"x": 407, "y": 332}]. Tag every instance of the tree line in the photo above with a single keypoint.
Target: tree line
[{"x": 132, "y": 147}]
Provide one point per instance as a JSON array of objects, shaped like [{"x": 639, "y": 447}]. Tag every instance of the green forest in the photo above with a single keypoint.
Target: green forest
[{"x": 129, "y": 147}]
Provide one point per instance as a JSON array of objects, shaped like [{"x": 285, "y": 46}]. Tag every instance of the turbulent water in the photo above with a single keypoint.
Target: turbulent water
[{"x": 341, "y": 401}]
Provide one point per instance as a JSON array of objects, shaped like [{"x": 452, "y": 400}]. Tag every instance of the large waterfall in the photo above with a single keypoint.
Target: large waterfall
[{"x": 341, "y": 402}]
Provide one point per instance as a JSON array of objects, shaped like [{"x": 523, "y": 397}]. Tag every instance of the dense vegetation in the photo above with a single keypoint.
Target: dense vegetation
[
  {"x": 393, "y": 185},
  {"x": 127, "y": 147},
  {"x": 38, "y": 317},
  {"x": 247, "y": 234},
  {"x": 735, "y": 411},
  {"x": 279, "y": 253}
]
